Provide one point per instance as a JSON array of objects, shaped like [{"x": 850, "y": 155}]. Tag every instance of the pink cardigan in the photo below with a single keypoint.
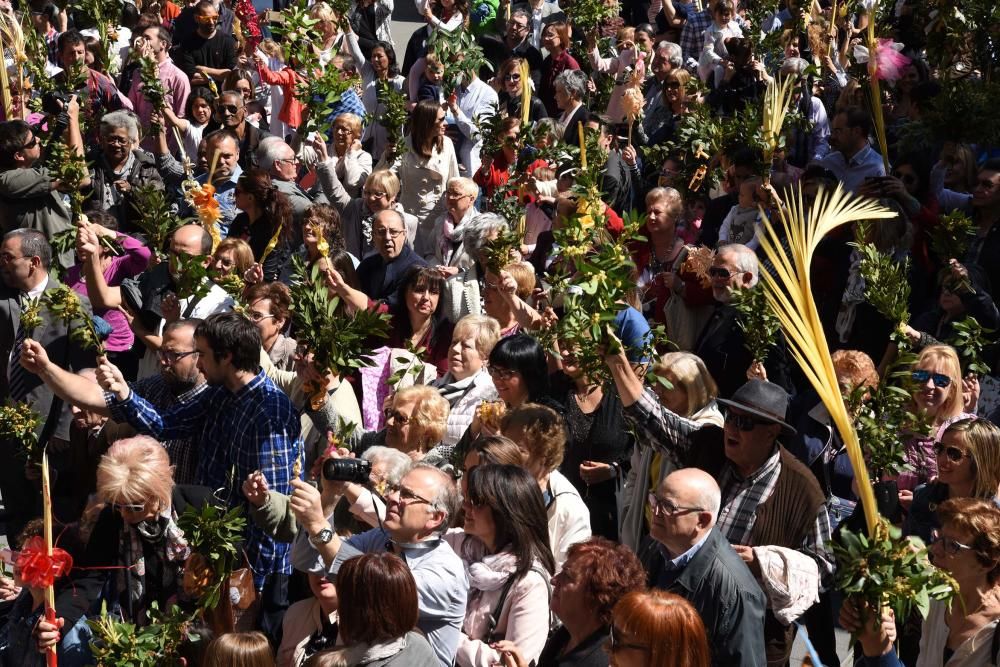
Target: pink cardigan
[{"x": 523, "y": 620}]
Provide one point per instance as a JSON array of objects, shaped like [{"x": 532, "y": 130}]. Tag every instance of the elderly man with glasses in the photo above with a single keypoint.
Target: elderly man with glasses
[
  {"x": 418, "y": 511},
  {"x": 772, "y": 509},
  {"x": 381, "y": 274},
  {"x": 693, "y": 559}
]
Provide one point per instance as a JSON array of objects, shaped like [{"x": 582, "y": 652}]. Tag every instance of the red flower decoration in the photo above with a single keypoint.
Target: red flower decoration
[{"x": 38, "y": 569}]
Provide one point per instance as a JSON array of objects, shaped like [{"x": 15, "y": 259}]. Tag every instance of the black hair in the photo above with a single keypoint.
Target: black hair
[
  {"x": 390, "y": 52},
  {"x": 523, "y": 354},
  {"x": 858, "y": 118},
  {"x": 199, "y": 92},
  {"x": 417, "y": 276},
  {"x": 70, "y": 37},
  {"x": 13, "y": 135},
  {"x": 921, "y": 166},
  {"x": 518, "y": 510},
  {"x": 745, "y": 156},
  {"x": 233, "y": 334}
]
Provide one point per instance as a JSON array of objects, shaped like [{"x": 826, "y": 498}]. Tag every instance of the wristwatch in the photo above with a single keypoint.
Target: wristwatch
[{"x": 322, "y": 537}]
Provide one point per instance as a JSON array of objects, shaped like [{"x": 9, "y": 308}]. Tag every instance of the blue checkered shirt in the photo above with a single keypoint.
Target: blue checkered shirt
[
  {"x": 256, "y": 428},
  {"x": 181, "y": 451},
  {"x": 693, "y": 36}
]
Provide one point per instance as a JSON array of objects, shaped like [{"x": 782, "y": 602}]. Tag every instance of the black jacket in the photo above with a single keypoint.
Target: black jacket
[
  {"x": 728, "y": 598},
  {"x": 143, "y": 172}
]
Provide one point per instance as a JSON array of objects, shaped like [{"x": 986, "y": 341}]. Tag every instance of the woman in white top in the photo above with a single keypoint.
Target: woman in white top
[
  {"x": 447, "y": 15},
  {"x": 347, "y": 159},
  {"x": 424, "y": 171}
]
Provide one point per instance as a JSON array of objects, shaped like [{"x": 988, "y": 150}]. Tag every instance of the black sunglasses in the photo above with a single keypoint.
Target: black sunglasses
[
  {"x": 719, "y": 272},
  {"x": 229, "y": 108},
  {"x": 940, "y": 381},
  {"x": 745, "y": 423},
  {"x": 31, "y": 144},
  {"x": 954, "y": 454}
]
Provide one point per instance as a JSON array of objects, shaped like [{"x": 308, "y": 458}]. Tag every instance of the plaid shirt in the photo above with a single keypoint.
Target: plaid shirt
[
  {"x": 256, "y": 428},
  {"x": 656, "y": 426},
  {"x": 180, "y": 450},
  {"x": 693, "y": 37}
]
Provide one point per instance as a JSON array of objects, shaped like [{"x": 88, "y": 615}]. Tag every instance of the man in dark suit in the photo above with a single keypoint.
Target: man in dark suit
[
  {"x": 721, "y": 343},
  {"x": 616, "y": 186},
  {"x": 25, "y": 258}
]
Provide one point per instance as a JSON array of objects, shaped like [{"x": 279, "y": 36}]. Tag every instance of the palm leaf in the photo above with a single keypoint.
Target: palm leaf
[{"x": 789, "y": 291}]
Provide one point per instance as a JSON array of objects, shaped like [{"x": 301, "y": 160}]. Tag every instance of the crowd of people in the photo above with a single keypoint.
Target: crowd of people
[{"x": 495, "y": 500}]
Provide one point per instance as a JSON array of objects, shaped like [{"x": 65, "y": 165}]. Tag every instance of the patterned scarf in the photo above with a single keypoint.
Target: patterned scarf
[{"x": 170, "y": 544}]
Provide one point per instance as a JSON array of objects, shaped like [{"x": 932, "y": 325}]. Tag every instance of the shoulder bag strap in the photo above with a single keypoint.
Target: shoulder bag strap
[{"x": 498, "y": 609}]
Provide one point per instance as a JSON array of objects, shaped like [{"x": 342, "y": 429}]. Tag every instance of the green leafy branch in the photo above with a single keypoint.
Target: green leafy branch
[
  {"x": 192, "y": 277},
  {"x": 117, "y": 643},
  {"x": 489, "y": 125},
  {"x": 154, "y": 216},
  {"x": 394, "y": 115},
  {"x": 460, "y": 55},
  {"x": 757, "y": 320},
  {"x": 950, "y": 238},
  {"x": 152, "y": 89},
  {"x": 64, "y": 304},
  {"x": 889, "y": 569},
  {"x": 213, "y": 535},
  {"x": 970, "y": 341},
  {"x": 20, "y": 423},
  {"x": 887, "y": 285}
]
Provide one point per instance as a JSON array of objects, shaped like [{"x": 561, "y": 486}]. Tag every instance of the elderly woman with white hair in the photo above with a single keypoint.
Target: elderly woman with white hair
[
  {"x": 468, "y": 383},
  {"x": 136, "y": 530},
  {"x": 458, "y": 249},
  {"x": 118, "y": 166}
]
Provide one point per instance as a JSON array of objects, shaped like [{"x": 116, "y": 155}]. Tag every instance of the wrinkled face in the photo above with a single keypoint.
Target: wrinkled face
[
  {"x": 675, "y": 398},
  {"x": 464, "y": 359},
  {"x": 949, "y": 550},
  {"x": 72, "y": 54},
  {"x": 659, "y": 221},
  {"x": 388, "y": 236},
  {"x": 961, "y": 472},
  {"x": 661, "y": 65},
  {"x": 676, "y": 518},
  {"x": 569, "y": 590},
  {"x": 726, "y": 277},
  {"x": 408, "y": 511},
  {"x": 230, "y": 110},
  {"x": 343, "y": 134},
  {"x": 287, "y": 165},
  {"x": 929, "y": 396},
  {"x": 224, "y": 261},
  {"x": 458, "y": 202},
  {"x": 116, "y": 144},
  {"x": 748, "y": 449},
  {"x": 517, "y": 29},
  {"x": 400, "y": 431},
  {"x": 228, "y": 157},
  {"x": 563, "y": 99}
]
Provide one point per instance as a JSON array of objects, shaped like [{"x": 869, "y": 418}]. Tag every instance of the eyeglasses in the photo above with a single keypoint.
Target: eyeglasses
[
  {"x": 396, "y": 416},
  {"x": 940, "y": 381},
  {"x": 954, "y": 454},
  {"x": 6, "y": 257},
  {"x": 117, "y": 141},
  {"x": 501, "y": 373},
  {"x": 949, "y": 546},
  {"x": 206, "y": 20},
  {"x": 174, "y": 357},
  {"x": 289, "y": 160},
  {"x": 745, "y": 423},
  {"x": 456, "y": 195},
  {"x": 719, "y": 272},
  {"x": 31, "y": 144},
  {"x": 376, "y": 195},
  {"x": 512, "y": 77},
  {"x": 406, "y": 497},
  {"x": 381, "y": 233},
  {"x": 668, "y": 508},
  {"x": 615, "y": 643},
  {"x": 259, "y": 317},
  {"x": 129, "y": 508}
]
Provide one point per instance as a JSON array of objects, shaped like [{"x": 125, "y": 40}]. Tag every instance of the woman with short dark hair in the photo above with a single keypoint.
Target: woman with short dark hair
[
  {"x": 519, "y": 370},
  {"x": 505, "y": 546}
]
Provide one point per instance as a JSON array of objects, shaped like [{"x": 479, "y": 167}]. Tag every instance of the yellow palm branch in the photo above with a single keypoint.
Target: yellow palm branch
[
  {"x": 791, "y": 298},
  {"x": 777, "y": 99}
]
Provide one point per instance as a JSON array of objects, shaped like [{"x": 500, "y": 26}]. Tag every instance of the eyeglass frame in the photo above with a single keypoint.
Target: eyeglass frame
[
  {"x": 173, "y": 357},
  {"x": 656, "y": 504},
  {"x": 950, "y": 547},
  {"x": 382, "y": 233},
  {"x": 504, "y": 374},
  {"x": 720, "y": 272},
  {"x": 950, "y": 451},
  {"x": 411, "y": 499},
  {"x": 396, "y": 416},
  {"x": 618, "y": 645},
  {"x": 129, "y": 507}
]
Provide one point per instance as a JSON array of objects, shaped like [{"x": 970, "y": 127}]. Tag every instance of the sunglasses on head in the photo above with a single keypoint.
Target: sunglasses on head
[
  {"x": 954, "y": 454},
  {"x": 940, "y": 381}
]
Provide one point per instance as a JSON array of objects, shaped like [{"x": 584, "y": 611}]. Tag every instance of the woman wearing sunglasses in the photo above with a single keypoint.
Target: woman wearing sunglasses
[
  {"x": 937, "y": 393},
  {"x": 657, "y": 629},
  {"x": 136, "y": 531},
  {"x": 968, "y": 462},
  {"x": 955, "y": 633},
  {"x": 509, "y": 86}
]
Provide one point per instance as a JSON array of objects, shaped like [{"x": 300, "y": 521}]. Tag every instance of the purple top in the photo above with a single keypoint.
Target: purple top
[{"x": 129, "y": 265}]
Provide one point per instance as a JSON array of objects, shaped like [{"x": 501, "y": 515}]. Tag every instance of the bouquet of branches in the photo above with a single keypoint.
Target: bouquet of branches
[
  {"x": 489, "y": 125},
  {"x": 213, "y": 535},
  {"x": 321, "y": 92},
  {"x": 502, "y": 250},
  {"x": 885, "y": 568},
  {"x": 20, "y": 423},
  {"x": 590, "y": 15},
  {"x": 338, "y": 340},
  {"x": 155, "y": 217},
  {"x": 460, "y": 55},
  {"x": 117, "y": 643},
  {"x": 193, "y": 277},
  {"x": 152, "y": 89},
  {"x": 887, "y": 286},
  {"x": 950, "y": 238},
  {"x": 757, "y": 320},
  {"x": 299, "y": 35},
  {"x": 970, "y": 341},
  {"x": 696, "y": 143},
  {"x": 105, "y": 15},
  {"x": 394, "y": 116},
  {"x": 63, "y": 303}
]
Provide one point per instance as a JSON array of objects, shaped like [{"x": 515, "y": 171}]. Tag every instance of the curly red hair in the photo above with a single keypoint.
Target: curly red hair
[{"x": 607, "y": 571}]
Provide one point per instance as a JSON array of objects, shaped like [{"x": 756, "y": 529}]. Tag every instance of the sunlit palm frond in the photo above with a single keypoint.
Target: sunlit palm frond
[{"x": 790, "y": 295}]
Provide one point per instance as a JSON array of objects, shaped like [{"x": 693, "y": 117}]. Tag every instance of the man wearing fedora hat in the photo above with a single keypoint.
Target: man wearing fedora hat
[{"x": 769, "y": 498}]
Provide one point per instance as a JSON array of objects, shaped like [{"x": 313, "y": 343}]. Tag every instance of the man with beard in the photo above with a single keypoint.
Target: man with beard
[{"x": 178, "y": 382}]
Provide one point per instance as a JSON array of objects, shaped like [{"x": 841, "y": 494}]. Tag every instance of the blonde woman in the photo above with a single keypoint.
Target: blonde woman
[
  {"x": 468, "y": 383},
  {"x": 968, "y": 461},
  {"x": 692, "y": 395},
  {"x": 136, "y": 530},
  {"x": 937, "y": 394}
]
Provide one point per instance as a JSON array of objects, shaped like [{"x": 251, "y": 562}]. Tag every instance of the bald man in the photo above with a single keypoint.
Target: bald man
[{"x": 695, "y": 561}]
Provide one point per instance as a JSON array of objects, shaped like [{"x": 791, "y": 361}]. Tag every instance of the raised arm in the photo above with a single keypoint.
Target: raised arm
[{"x": 70, "y": 387}]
